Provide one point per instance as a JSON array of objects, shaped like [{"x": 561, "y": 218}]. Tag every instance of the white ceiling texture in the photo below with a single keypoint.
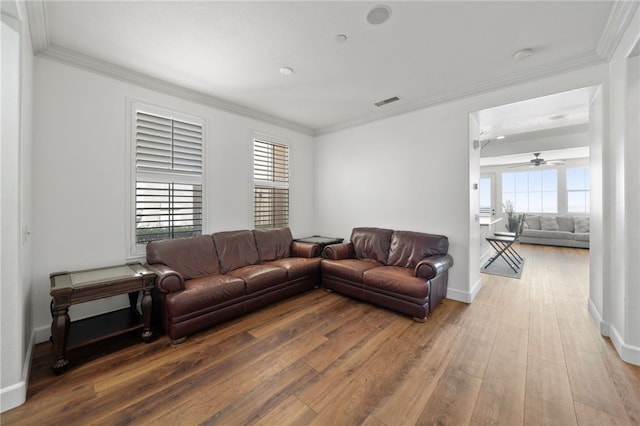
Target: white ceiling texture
[{"x": 229, "y": 54}]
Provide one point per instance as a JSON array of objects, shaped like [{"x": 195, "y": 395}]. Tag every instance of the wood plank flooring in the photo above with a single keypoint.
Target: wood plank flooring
[{"x": 525, "y": 352}]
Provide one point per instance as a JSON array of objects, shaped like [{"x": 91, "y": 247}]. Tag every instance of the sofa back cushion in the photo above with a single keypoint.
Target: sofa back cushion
[
  {"x": 371, "y": 243},
  {"x": 191, "y": 257},
  {"x": 532, "y": 222},
  {"x": 581, "y": 224},
  {"x": 273, "y": 244},
  {"x": 408, "y": 248},
  {"x": 236, "y": 249},
  {"x": 565, "y": 223},
  {"x": 549, "y": 223}
]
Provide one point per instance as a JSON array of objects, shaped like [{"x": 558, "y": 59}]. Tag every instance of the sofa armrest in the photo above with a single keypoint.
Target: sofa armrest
[
  {"x": 167, "y": 280},
  {"x": 308, "y": 250},
  {"x": 339, "y": 251},
  {"x": 433, "y": 266}
]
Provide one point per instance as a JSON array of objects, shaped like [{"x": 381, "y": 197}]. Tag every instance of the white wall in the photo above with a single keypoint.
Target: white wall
[
  {"x": 619, "y": 316},
  {"x": 15, "y": 154},
  {"x": 80, "y": 162},
  {"x": 413, "y": 171}
]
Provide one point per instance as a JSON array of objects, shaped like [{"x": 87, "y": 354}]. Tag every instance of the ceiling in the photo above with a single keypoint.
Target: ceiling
[{"x": 229, "y": 54}]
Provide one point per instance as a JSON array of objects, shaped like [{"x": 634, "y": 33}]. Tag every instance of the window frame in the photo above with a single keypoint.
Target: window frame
[
  {"x": 586, "y": 192},
  {"x": 135, "y": 250},
  {"x": 528, "y": 192},
  {"x": 272, "y": 184}
]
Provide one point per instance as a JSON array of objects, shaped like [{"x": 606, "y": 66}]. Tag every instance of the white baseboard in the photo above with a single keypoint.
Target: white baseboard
[
  {"x": 465, "y": 296},
  {"x": 42, "y": 334},
  {"x": 628, "y": 353},
  {"x": 15, "y": 395},
  {"x": 595, "y": 314}
]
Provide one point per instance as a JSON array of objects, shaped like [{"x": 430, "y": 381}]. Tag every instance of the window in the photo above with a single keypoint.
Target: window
[
  {"x": 168, "y": 174},
  {"x": 531, "y": 191},
  {"x": 578, "y": 190},
  {"x": 271, "y": 184}
]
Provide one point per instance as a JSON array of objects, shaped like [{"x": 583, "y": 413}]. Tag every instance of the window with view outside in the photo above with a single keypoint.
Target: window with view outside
[
  {"x": 168, "y": 169},
  {"x": 578, "y": 190},
  {"x": 531, "y": 191},
  {"x": 271, "y": 184}
]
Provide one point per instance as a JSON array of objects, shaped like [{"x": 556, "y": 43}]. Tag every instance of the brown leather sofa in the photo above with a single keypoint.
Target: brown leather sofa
[
  {"x": 400, "y": 270},
  {"x": 208, "y": 279}
]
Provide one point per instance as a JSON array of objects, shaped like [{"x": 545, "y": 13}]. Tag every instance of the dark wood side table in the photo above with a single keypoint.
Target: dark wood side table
[
  {"x": 69, "y": 288},
  {"x": 321, "y": 241}
]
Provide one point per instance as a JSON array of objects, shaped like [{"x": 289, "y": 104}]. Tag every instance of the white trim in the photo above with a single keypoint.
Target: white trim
[
  {"x": 16, "y": 394},
  {"x": 137, "y": 251},
  {"x": 571, "y": 64},
  {"x": 465, "y": 296},
  {"x": 38, "y": 26},
  {"x": 619, "y": 19},
  {"x": 628, "y": 353},
  {"x": 87, "y": 63},
  {"x": 595, "y": 315}
]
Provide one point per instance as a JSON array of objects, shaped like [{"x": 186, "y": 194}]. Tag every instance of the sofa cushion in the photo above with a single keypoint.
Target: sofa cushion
[
  {"x": 371, "y": 243},
  {"x": 581, "y": 224},
  {"x": 581, "y": 236},
  {"x": 298, "y": 267},
  {"x": 532, "y": 222},
  {"x": 408, "y": 248},
  {"x": 273, "y": 243},
  {"x": 201, "y": 294},
  {"x": 398, "y": 280},
  {"x": 191, "y": 257},
  {"x": 349, "y": 269},
  {"x": 236, "y": 249},
  {"x": 260, "y": 277},
  {"x": 565, "y": 223},
  {"x": 549, "y": 223}
]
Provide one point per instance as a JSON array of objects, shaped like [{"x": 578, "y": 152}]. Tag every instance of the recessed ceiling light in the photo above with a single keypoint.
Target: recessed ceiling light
[
  {"x": 286, "y": 70},
  {"x": 557, "y": 117},
  {"x": 500, "y": 137},
  {"x": 522, "y": 54},
  {"x": 379, "y": 15},
  {"x": 341, "y": 38}
]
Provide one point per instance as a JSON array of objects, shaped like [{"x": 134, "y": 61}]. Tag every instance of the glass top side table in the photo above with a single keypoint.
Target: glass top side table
[{"x": 69, "y": 288}]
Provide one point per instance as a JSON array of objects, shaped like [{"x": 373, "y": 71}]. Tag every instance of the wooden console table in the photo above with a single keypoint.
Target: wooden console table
[{"x": 69, "y": 288}]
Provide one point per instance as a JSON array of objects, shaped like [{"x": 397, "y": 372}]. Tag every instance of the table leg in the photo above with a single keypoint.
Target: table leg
[
  {"x": 60, "y": 334},
  {"x": 146, "y": 305}
]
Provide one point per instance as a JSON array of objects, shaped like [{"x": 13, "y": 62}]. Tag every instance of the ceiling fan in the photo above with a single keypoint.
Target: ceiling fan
[{"x": 537, "y": 161}]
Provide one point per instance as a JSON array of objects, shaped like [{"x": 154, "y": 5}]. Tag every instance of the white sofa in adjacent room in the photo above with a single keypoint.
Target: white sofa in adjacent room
[{"x": 553, "y": 230}]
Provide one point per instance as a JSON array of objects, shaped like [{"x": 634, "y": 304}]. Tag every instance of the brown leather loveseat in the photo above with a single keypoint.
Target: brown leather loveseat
[
  {"x": 208, "y": 279},
  {"x": 400, "y": 270}
]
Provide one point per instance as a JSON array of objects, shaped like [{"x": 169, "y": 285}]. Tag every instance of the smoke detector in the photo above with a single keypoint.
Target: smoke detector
[{"x": 379, "y": 15}]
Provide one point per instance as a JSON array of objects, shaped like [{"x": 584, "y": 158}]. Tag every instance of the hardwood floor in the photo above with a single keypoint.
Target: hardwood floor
[{"x": 525, "y": 352}]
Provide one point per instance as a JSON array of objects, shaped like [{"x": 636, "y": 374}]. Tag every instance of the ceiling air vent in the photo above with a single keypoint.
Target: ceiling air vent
[{"x": 387, "y": 101}]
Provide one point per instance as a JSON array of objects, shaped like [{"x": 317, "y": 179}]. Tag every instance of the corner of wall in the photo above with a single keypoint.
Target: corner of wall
[{"x": 465, "y": 296}]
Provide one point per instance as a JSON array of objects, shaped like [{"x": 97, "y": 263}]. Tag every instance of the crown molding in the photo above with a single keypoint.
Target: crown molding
[
  {"x": 619, "y": 19},
  {"x": 571, "y": 64},
  {"x": 38, "y": 27},
  {"x": 88, "y": 63},
  {"x": 621, "y": 14}
]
